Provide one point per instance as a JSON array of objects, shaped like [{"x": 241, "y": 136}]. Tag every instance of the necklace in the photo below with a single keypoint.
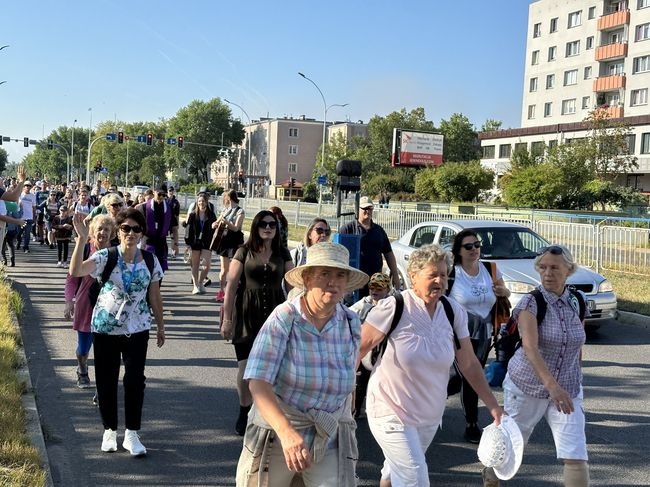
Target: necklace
[{"x": 314, "y": 315}]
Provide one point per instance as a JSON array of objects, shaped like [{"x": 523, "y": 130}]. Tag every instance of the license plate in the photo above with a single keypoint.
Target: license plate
[{"x": 591, "y": 304}]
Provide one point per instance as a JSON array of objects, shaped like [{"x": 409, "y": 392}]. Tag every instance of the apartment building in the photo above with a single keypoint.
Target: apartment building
[{"x": 581, "y": 55}]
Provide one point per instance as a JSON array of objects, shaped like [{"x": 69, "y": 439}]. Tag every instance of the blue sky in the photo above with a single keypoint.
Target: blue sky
[{"x": 138, "y": 61}]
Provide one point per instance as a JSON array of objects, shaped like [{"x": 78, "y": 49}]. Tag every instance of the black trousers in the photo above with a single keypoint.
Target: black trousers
[
  {"x": 62, "y": 249},
  {"x": 469, "y": 397},
  {"x": 110, "y": 350}
]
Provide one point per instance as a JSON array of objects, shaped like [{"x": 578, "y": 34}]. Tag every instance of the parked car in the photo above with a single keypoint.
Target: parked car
[
  {"x": 138, "y": 189},
  {"x": 513, "y": 247}
]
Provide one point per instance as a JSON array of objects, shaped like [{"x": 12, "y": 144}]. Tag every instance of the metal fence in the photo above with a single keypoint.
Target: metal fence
[{"x": 596, "y": 241}]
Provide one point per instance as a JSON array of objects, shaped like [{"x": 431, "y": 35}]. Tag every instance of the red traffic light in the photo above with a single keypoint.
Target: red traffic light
[
  {"x": 180, "y": 142},
  {"x": 120, "y": 137},
  {"x": 149, "y": 138}
]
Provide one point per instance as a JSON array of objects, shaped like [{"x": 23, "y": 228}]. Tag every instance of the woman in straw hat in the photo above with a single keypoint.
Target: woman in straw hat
[
  {"x": 301, "y": 373},
  {"x": 407, "y": 390}
]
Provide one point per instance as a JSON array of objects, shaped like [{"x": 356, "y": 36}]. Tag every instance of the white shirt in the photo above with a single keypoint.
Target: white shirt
[
  {"x": 27, "y": 202},
  {"x": 474, "y": 293}
]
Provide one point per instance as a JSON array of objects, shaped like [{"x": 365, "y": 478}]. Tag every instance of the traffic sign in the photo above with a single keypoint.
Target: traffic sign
[
  {"x": 171, "y": 141},
  {"x": 112, "y": 137},
  {"x": 141, "y": 138},
  {"x": 322, "y": 180}
]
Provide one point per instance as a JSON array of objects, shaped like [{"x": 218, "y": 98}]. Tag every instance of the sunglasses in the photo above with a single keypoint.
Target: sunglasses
[
  {"x": 117, "y": 205},
  {"x": 267, "y": 224},
  {"x": 551, "y": 249},
  {"x": 128, "y": 228},
  {"x": 470, "y": 246},
  {"x": 367, "y": 210},
  {"x": 322, "y": 231}
]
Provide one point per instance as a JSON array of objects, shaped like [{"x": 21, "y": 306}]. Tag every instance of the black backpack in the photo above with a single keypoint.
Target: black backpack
[
  {"x": 111, "y": 262},
  {"x": 380, "y": 348},
  {"x": 508, "y": 341}
]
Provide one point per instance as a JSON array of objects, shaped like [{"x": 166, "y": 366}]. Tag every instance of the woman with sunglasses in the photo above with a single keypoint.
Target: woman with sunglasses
[
  {"x": 253, "y": 291},
  {"x": 318, "y": 231},
  {"x": 544, "y": 378},
  {"x": 199, "y": 230},
  {"x": 120, "y": 324},
  {"x": 474, "y": 289}
]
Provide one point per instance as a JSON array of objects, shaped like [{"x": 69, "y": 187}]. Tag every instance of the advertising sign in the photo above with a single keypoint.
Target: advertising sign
[{"x": 413, "y": 148}]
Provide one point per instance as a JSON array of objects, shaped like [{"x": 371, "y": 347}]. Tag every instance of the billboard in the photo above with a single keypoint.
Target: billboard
[{"x": 412, "y": 148}]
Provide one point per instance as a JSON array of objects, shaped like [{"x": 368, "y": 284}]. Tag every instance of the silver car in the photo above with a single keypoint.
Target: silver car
[{"x": 513, "y": 247}]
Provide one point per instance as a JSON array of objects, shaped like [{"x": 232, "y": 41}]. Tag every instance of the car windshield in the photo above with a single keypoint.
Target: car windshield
[{"x": 510, "y": 243}]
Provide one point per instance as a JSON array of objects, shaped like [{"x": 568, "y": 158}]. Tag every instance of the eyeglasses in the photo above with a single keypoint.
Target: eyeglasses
[
  {"x": 117, "y": 205},
  {"x": 267, "y": 224},
  {"x": 551, "y": 249},
  {"x": 474, "y": 245},
  {"x": 128, "y": 228},
  {"x": 322, "y": 231},
  {"x": 367, "y": 210}
]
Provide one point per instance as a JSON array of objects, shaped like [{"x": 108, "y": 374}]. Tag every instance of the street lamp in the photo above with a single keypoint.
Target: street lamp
[
  {"x": 248, "y": 192},
  {"x": 71, "y": 150},
  {"x": 90, "y": 129}
]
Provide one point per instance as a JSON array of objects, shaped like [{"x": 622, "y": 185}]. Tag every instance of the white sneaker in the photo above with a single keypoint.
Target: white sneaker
[
  {"x": 201, "y": 289},
  {"x": 132, "y": 443},
  {"x": 59, "y": 264},
  {"x": 109, "y": 442},
  {"x": 195, "y": 290}
]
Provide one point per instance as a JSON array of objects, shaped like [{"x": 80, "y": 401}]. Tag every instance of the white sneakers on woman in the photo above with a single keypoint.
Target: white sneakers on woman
[{"x": 131, "y": 442}]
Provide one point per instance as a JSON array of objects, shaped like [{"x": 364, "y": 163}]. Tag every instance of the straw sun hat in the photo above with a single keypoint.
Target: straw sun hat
[
  {"x": 328, "y": 254},
  {"x": 502, "y": 448}
]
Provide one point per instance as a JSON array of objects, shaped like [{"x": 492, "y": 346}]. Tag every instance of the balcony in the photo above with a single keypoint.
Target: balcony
[
  {"x": 611, "y": 51},
  {"x": 612, "y": 111},
  {"x": 609, "y": 83},
  {"x": 614, "y": 19}
]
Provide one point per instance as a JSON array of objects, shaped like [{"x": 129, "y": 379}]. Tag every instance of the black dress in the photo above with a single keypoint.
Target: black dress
[{"x": 259, "y": 292}]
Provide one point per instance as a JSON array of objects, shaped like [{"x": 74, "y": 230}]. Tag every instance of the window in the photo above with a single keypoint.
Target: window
[
  {"x": 554, "y": 25},
  {"x": 639, "y": 97},
  {"x": 552, "y": 144},
  {"x": 488, "y": 152},
  {"x": 293, "y": 131},
  {"x": 548, "y": 109},
  {"x": 588, "y": 72},
  {"x": 521, "y": 146},
  {"x": 571, "y": 77},
  {"x": 590, "y": 43},
  {"x": 293, "y": 149},
  {"x": 504, "y": 151},
  {"x": 550, "y": 81},
  {"x": 535, "y": 59},
  {"x": 642, "y": 32},
  {"x": 592, "y": 13},
  {"x": 641, "y": 64},
  {"x": 537, "y": 148},
  {"x": 645, "y": 143},
  {"x": 552, "y": 53},
  {"x": 568, "y": 106},
  {"x": 531, "y": 112},
  {"x": 537, "y": 30},
  {"x": 615, "y": 68},
  {"x": 572, "y": 48},
  {"x": 293, "y": 167},
  {"x": 642, "y": 4},
  {"x": 533, "y": 84},
  {"x": 575, "y": 19},
  {"x": 630, "y": 139},
  {"x": 586, "y": 101}
]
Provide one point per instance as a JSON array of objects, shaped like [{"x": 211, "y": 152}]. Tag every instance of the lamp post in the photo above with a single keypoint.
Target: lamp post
[
  {"x": 90, "y": 129},
  {"x": 248, "y": 185},
  {"x": 325, "y": 109},
  {"x": 71, "y": 150}
]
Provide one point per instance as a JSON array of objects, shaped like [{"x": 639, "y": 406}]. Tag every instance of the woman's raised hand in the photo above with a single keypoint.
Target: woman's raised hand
[{"x": 80, "y": 226}]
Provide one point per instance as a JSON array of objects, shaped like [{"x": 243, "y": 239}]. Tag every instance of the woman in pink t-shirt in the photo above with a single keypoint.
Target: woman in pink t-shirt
[{"x": 408, "y": 387}]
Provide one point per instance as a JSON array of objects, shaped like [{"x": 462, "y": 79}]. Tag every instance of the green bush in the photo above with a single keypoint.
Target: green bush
[{"x": 193, "y": 188}]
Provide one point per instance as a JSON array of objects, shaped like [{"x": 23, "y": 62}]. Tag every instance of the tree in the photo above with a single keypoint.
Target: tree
[
  {"x": 454, "y": 181},
  {"x": 490, "y": 125},
  {"x": 4, "y": 160},
  {"x": 203, "y": 122},
  {"x": 537, "y": 186},
  {"x": 461, "y": 141}
]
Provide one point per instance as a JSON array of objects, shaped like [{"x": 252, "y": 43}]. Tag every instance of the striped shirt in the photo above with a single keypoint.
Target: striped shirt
[
  {"x": 560, "y": 339},
  {"x": 308, "y": 369}
]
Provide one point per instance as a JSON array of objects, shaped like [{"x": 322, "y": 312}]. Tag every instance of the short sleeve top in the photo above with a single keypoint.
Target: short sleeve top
[{"x": 474, "y": 293}]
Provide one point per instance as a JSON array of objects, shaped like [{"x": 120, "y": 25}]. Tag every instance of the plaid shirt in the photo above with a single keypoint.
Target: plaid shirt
[
  {"x": 308, "y": 369},
  {"x": 561, "y": 336}
]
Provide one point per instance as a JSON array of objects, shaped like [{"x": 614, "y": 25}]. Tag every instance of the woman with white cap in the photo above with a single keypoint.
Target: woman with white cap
[
  {"x": 544, "y": 377},
  {"x": 301, "y": 373}
]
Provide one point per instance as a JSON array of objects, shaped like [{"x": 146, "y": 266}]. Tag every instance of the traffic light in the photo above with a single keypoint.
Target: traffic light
[
  {"x": 26, "y": 141},
  {"x": 120, "y": 137},
  {"x": 149, "y": 138},
  {"x": 292, "y": 182},
  {"x": 241, "y": 177},
  {"x": 50, "y": 144},
  {"x": 180, "y": 142},
  {"x": 0, "y": 139}
]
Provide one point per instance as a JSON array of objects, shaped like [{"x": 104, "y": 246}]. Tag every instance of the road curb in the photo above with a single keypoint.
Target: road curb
[
  {"x": 33, "y": 420},
  {"x": 630, "y": 318}
]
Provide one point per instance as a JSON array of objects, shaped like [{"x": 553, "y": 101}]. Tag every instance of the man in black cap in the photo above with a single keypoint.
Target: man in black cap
[
  {"x": 158, "y": 214},
  {"x": 176, "y": 211}
]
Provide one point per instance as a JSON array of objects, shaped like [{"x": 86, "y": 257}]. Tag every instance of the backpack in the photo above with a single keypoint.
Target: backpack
[
  {"x": 371, "y": 359},
  {"x": 508, "y": 340},
  {"x": 111, "y": 262}
]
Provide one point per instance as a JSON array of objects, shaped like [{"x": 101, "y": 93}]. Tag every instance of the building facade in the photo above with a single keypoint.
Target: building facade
[{"x": 581, "y": 55}]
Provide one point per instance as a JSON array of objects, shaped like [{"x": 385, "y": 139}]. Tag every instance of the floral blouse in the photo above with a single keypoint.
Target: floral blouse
[{"x": 117, "y": 312}]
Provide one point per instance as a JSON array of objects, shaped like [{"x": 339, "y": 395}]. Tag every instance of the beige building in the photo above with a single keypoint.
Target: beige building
[{"x": 581, "y": 55}]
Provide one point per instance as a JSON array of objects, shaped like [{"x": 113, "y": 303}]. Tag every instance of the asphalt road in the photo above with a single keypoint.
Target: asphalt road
[{"x": 191, "y": 404}]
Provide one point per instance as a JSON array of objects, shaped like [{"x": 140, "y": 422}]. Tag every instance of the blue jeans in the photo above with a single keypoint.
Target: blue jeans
[{"x": 27, "y": 233}]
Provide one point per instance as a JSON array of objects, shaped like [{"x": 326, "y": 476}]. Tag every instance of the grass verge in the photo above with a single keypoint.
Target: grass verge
[{"x": 19, "y": 460}]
